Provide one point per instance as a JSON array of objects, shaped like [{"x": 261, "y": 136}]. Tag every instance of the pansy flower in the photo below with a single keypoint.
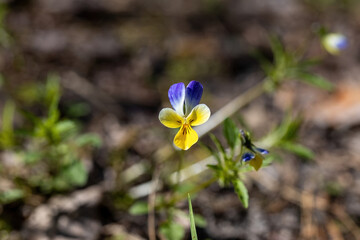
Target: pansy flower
[
  {"x": 253, "y": 155},
  {"x": 334, "y": 43},
  {"x": 187, "y": 112}
]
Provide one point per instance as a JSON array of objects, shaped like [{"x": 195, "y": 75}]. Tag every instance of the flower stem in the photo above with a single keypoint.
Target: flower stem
[{"x": 178, "y": 176}]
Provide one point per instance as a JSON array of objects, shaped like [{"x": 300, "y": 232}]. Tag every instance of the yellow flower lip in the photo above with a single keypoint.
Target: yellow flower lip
[{"x": 195, "y": 114}]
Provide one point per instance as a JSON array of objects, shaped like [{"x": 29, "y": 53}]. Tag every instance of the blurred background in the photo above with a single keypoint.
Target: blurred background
[{"x": 81, "y": 86}]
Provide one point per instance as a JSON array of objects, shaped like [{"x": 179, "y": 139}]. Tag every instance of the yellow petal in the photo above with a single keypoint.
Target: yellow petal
[
  {"x": 199, "y": 115},
  {"x": 257, "y": 161},
  {"x": 186, "y": 137},
  {"x": 170, "y": 118}
]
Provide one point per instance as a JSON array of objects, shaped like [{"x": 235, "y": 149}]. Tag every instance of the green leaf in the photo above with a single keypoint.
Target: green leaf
[
  {"x": 218, "y": 144},
  {"x": 200, "y": 221},
  {"x": 214, "y": 167},
  {"x": 66, "y": 128},
  {"x": 185, "y": 187},
  {"x": 334, "y": 188},
  {"x": 78, "y": 110},
  {"x": 88, "y": 139},
  {"x": 32, "y": 157},
  {"x": 285, "y": 132},
  {"x": 242, "y": 192},
  {"x": 75, "y": 174},
  {"x": 277, "y": 49},
  {"x": 11, "y": 195},
  {"x": 315, "y": 80},
  {"x": 231, "y": 133},
  {"x": 298, "y": 149},
  {"x": 290, "y": 127},
  {"x": 52, "y": 97},
  {"x": 272, "y": 157},
  {"x": 52, "y": 89},
  {"x": 212, "y": 152},
  {"x": 192, "y": 221},
  {"x": 139, "y": 208},
  {"x": 7, "y": 138},
  {"x": 172, "y": 231},
  {"x": 305, "y": 64}
]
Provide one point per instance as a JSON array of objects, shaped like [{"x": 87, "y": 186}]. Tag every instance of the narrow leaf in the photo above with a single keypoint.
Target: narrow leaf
[
  {"x": 200, "y": 221},
  {"x": 75, "y": 174},
  {"x": 242, "y": 192},
  {"x": 218, "y": 144},
  {"x": 298, "y": 149},
  {"x": 315, "y": 80},
  {"x": 192, "y": 221},
  {"x": 212, "y": 152},
  {"x": 88, "y": 139},
  {"x": 139, "y": 208},
  {"x": 214, "y": 167},
  {"x": 231, "y": 132},
  {"x": 7, "y": 138}
]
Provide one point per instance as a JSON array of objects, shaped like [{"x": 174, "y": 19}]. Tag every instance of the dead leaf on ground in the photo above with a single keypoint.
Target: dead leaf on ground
[{"x": 340, "y": 110}]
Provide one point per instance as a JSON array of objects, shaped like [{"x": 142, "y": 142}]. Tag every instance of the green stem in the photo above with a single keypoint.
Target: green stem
[
  {"x": 192, "y": 220},
  {"x": 178, "y": 177}
]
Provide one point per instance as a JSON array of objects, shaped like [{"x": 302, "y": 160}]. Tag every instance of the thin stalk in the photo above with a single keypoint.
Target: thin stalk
[{"x": 181, "y": 160}]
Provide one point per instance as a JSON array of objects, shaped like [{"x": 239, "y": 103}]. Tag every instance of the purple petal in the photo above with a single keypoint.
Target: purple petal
[
  {"x": 193, "y": 95},
  {"x": 262, "y": 151},
  {"x": 247, "y": 156},
  {"x": 177, "y": 97},
  {"x": 342, "y": 43}
]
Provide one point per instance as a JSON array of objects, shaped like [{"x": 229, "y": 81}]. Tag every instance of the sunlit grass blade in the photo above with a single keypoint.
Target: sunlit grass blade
[
  {"x": 192, "y": 221},
  {"x": 7, "y": 138}
]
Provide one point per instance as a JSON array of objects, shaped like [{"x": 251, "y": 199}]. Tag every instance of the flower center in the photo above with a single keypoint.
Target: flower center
[{"x": 185, "y": 129}]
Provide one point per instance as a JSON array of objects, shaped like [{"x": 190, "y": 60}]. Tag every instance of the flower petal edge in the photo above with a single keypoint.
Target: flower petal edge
[
  {"x": 176, "y": 96},
  {"x": 199, "y": 115},
  {"x": 193, "y": 94},
  {"x": 169, "y": 118}
]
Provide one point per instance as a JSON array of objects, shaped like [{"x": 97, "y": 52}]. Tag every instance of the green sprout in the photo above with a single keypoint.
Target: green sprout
[{"x": 288, "y": 65}]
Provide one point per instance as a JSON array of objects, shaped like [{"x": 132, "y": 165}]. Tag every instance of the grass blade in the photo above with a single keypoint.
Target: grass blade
[{"x": 192, "y": 221}]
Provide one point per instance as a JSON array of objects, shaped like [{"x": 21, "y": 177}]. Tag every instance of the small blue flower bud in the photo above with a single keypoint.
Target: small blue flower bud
[{"x": 334, "y": 43}]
